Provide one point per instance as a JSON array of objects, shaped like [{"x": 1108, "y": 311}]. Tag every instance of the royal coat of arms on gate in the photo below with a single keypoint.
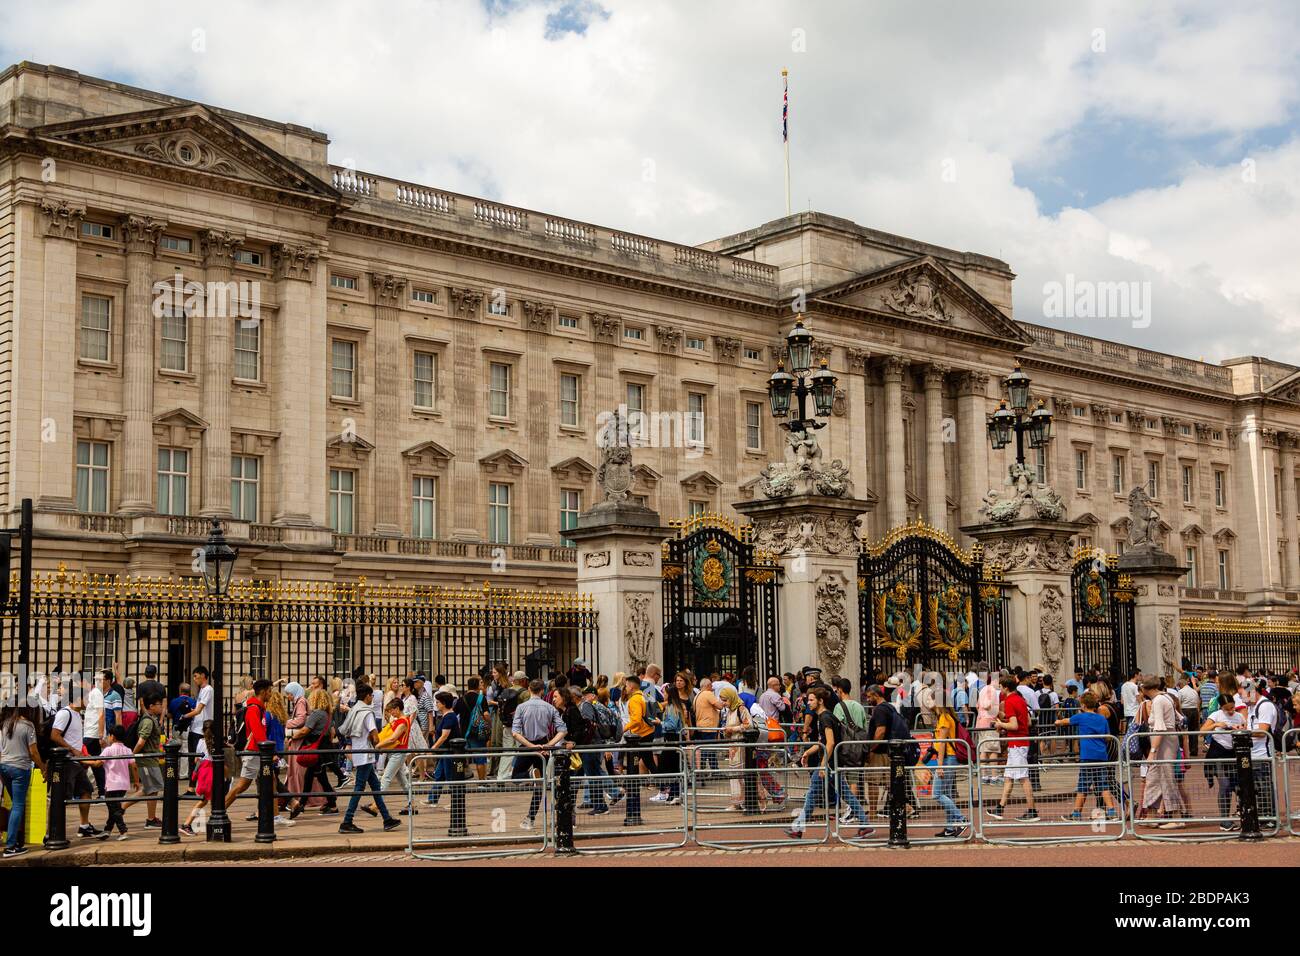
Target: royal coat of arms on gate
[
  {"x": 1095, "y": 594},
  {"x": 711, "y": 572},
  {"x": 950, "y": 621},
  {"x": 898, "y": 620}
]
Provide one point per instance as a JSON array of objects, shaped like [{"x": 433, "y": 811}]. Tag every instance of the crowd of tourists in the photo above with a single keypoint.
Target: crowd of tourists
[{"x": 364, "y": 739}]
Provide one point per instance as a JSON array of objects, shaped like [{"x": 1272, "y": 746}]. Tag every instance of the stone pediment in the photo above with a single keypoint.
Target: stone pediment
[
  {"x": 190, "y": 139},
  {"x": 645, "y": 473},
  {"x": 428, "y": 454},
  {"x": 1192, "y": 530},
  {"x": 352, "y": 442},
  {"x": 181, "y": 417},
  {"x": 503, "y": 462},
  {"x": 179, "y": 427},
  {"x": 1088, "y": 518},
  {"x": 575, "y": 468},
  {"x": 924, "y": 290},
  {"x": 701, "y": 481}
]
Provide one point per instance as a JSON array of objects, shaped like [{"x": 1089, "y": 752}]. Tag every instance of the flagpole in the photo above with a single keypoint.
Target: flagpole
[{"x": 785, "y": 133}]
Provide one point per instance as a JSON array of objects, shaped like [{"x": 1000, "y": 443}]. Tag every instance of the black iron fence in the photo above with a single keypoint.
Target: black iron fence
[
  {"x": 291, "y": 629},
  {"x": 1260, "y": 644}
]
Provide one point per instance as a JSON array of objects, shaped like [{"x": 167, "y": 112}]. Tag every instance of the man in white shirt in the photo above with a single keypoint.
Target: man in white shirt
[
  {"x": 202, "y": 711},
  {"x": 93, "y": 726},
  {"x": 1128, "y": 696},
  {"x": 1261, "y": 718},
  {"x": 68, "y": 731},
  {"x": 1026, "y": 690}
]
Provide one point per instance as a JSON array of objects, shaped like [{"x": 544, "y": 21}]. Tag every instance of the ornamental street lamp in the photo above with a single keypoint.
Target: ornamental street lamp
[
  {"x": 782, "y": 386},
  {"x": 1005, "y": 422},
  {"x": 218, "y": 565}
]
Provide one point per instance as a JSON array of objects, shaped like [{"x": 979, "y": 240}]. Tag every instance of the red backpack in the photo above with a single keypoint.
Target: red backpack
[{"x": 967, "y": 747}]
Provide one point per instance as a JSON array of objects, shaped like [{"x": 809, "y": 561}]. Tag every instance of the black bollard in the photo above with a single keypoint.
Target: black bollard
[
  {"x": 458, "y": 769},
  {"x": 56, "y": 825},
  {"x": 1246, "y": 795},
  {"x": 563, "y": 804},
  {"x": 749, "y": 780},
  {"x": 897, "y": 795},
  {"x": 171, "y": 801},
  {"x": 218, "y": 827},
  {"x": 265, "y": 792}
]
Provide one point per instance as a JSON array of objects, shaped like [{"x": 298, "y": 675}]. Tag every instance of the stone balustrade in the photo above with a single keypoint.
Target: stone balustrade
[{"x": 1110, "y": 354}]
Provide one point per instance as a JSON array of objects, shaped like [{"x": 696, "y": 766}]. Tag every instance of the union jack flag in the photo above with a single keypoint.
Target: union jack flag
[{"x": 785, "y": 110}]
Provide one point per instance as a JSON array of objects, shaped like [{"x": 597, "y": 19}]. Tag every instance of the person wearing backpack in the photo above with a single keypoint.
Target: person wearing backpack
[
  {"x": 822, "y": 756},
  {"x": 599, "y": 725},
  {"x": 948, "y": 751},
  {"x": 885, "y": 724},
  {"x": 475, "y": 723},
  {"x": 853, "y": 719},
  {"x": 1093, "y": 728},
  {"x": 1261, "y": 721}
]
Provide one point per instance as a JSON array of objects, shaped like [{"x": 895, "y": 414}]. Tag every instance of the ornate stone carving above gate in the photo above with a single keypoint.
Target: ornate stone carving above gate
[
  {"x": 832, "y": 623},
  {"x": 789, "y": 534},
  {"x": 1031, "y": 552}
]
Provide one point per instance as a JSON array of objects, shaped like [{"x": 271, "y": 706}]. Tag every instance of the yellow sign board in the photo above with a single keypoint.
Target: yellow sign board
[{"x": 218, "y": 634}]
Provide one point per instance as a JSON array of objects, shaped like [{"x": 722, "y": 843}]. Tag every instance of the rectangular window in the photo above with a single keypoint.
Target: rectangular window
[
  {"x": 175, "y": 355},
  {"x": 570, "y": 507},
  {"x": 754, "y": 426},
  {"x": 92, "y": 477},
  {"x": 635, "y": 397},
  {"x": 1117, "y": 473},
  {"x": 1117, "y": 419},
  {"x": 1085, "y": 541},
  {"x": 696, "y": 344},
  {"x": 568, "y": 321},
  {"x": 343, "y": 369},
  {"x": 423, "y": 295},
  {"x": 248, "y": 350},
  {"x": 695, "y": 418},
  {"x": 1081, "y": 470},
  {"x": 1153, "y": 479},
  {"x": 1225, "y": 579},
  {"x": 343, "y": 282},
  {"x": 497, "y": 305},
  {"x": 633, "y": 332},
  {"x": 1040, "y": 465},
  {"x": 697, "y": 507},
  {"x": 498, "y": 513},
  {"x": 1079, "y": 411},
  {"x": 753, "y": 355},
  {"x": 570, "y": 402},
  {"x": 424, "y": 507},
  {"x": 173, "y": 481},
  {"x": 342, "y": 652},
  {"x": 98, "y": 648},
  {"x": 96, "y": 325},
  {"x": 343, "y": 486},
  {"x": 1186, "y": 483},
  {"x": 1184, "y": 429},
  {"x": 96, "y": 230},
  {"x": 244, "y": 474},
  {"x": 248, "y": 258},
  {"x": 1220, "y": 489},
  {"x": 424, "y": 378},
  {"x": 499, "y": 390},
  {"x": 421, "y": 652},
  {"x": 1216, "y": 435},
  {"x": 175, "y": 244}
]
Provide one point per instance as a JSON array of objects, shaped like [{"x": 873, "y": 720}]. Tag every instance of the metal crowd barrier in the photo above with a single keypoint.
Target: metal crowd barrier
[
  {"x": 753, "y": 797},
  {"x": 619, "y": 828},
  {"x": 925, "y": 786},
  {"x": 1173, "y": 796},
  {"x": 1057, "y": 785},
  {"x": 1291, "y": 780}
]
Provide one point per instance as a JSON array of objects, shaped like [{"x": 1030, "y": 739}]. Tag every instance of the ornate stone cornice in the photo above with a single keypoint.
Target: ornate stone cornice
[
  {"x": 140, "y": 234},
  {"x": 465, "y": 302},
  {"x": 1100, "y": 413},
  {"x": 62, "y": 220},
  {"x": 821, "y": 351},
  {"x": 387, "y": 289},
  {"x": 668, "y": 338},
  {"x": 605, "y": 326},
  {"x": 538, "y": 316},
  {"x": 219, "y": 248},
  {"x": 1203, "y": 431},
  {"x": 294, "y": 262},
  {"x": 728, "y": 349}
]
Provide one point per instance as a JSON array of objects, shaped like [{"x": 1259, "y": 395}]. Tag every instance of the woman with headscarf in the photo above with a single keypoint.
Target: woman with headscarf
[
  {"x": 738, "y": 721},
  {"x": 298, "y": 712}
]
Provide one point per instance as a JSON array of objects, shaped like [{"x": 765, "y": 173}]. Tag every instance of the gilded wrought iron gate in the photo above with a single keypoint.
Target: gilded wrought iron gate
[
  {"x": 1105, "y": 636},
  {"x": 720, "y": 600},
  {"x": 925, "y": 602}
]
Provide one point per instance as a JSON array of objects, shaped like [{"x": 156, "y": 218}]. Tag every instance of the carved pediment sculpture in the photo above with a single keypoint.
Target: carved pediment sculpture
[{"x": 916, "y": 294}]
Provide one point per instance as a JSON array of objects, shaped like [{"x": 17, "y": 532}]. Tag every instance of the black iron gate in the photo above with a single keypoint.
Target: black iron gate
[
  {"x": 1105, "y": 636},
  {"x": 924, "y": 602},
  {"x": 720, "y": 601}
]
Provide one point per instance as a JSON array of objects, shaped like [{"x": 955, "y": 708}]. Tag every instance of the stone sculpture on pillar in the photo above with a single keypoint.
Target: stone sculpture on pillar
[
  {"x": 1028, "y": 498},
  {"x": 803, "y": 473}
]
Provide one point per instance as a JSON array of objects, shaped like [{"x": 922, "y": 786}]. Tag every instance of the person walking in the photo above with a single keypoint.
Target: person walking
[
  {"x": 638, "y": 738},
  {"x": 821, "y": 756},
  {"x": 364, "y": 735},
  {"x": 18, "y": 755},
  {"x": 1161, "y": 787},
  {"x": 313, "y": 737},
  {"x": 948, "y": 753},
  {"x": 1015, "y": 725},
  {"x": 394, "y": 741}
]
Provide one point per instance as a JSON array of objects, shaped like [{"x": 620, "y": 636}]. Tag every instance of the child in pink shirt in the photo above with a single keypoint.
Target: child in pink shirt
[{"x": 118, "y": 776}]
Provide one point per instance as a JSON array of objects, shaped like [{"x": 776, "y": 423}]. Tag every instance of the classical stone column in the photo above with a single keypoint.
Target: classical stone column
[
  {"x": 620, "y": 562},
  {"x": 936, "y": 479},
  {"x": 467, "y": 423},
  {"x": 218, "y": 250},
  {"x": 1289, "y": 512},
  {"x": 669, "y": 340},
  {"x": 543, "y": 509},
  {"x": 859, "y": 417},
  {"x": 972, "y": 443},
  {"x": 293, "y": 410},
  {"x": 895, "y": 454},
  {"x": 389, "y": 292},
  {"x": 141, "y": 235},
  {"x": 1156, "y": 576},
  {"x": 815, "y": 538},
  {"x": 61, "y": 223}
]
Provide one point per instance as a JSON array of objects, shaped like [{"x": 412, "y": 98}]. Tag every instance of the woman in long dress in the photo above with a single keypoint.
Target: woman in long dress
[
  {"x": 297, "y": 717},
  {"x": 1161, "y": 781}
]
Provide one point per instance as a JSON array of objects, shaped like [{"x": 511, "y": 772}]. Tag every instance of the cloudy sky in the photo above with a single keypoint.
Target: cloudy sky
[{"x": 1086, "y": 142}]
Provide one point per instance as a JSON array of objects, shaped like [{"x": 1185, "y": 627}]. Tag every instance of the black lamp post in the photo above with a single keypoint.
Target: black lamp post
[
  {"x": 782, "y": 386},
  {"x": 1005, "y": 422},
  {"x": 218, "y": 566}
]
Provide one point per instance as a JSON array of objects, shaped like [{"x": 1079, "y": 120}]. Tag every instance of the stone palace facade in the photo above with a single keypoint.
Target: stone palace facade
[{"x": 201, "y": 316}]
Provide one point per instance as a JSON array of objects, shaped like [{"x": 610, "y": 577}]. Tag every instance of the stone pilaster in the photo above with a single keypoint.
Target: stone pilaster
[
  {"x": 895, "y": 454},
  {"x": 61, "y": 225},
  {"x": 936, "y": 478},
  {"x": 543, "y": 505},
  {"x": 669, "y": 338},
  {"x": 294, "y": 409},
  {"x": 972, "y": 442},
  {"x": 725, "y": 438},
  {"x": 1156, "y": 578},
  {"x": 218, "y": 249},
  {"x": 620, "y": 565},
  {"x": 859, "y": 417},
  {"x": 815, "y": 538},
  {"x": 389, "y": 293},
  {"x": 467, "y": 421},
  {"x": 1289, "y": 511},
  {"x": 141, "y": 235}
]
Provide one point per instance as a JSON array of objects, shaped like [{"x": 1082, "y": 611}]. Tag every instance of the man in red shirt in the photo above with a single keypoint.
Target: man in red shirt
[
  {"x": 1015, "y": 726},
  {"x": 255, "y": 727}
]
